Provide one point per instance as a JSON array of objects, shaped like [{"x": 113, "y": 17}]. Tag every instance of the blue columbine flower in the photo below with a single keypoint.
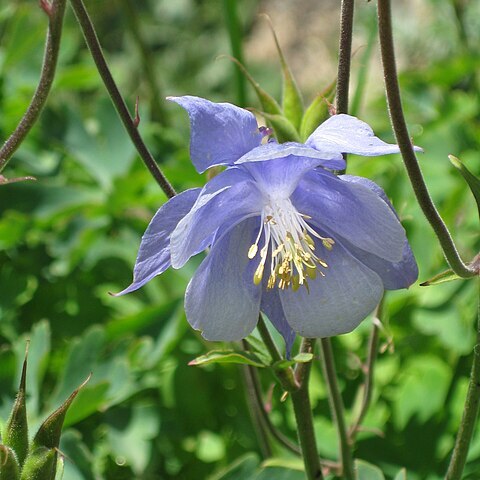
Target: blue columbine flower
[{"x": 312, "y": 250}]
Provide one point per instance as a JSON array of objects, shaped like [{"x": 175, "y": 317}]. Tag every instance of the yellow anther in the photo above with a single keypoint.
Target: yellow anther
[
  {"x": 252, "y": 251},
  {"x": 257, "y": 278}
]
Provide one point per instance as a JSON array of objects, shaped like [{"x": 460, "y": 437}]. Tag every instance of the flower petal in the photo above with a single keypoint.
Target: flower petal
[
  {"x": 347, "y": 134},
  {"x": 351, "y": 211},
  {"x": 221, "y": 299},
  {"x": 336, "y": 303},
  {"x": 220, "y": 132},
  {"x": 394, "y": 275},
  {"x": 219, "y": 206},
  {"x": 154, "y": 254},
  {"x": 273, "y": 150},
  {"x": 272, "y": 307}
]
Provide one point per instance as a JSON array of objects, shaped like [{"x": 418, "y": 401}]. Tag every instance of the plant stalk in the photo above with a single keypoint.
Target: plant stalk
[
  {"x": 56, "y": 13},
  {"x": 470, "y": 412},
  {"x": 129, "y": 123},
  {"x": 399, "y": 126},
  {"x": 337, "y": 408}
]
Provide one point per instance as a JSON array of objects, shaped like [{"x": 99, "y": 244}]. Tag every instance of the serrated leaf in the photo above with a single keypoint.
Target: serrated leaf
[
  {"x": 446, "y": 276},
  {"x": 283, "y": 128},
  {"x": 9, "y": 466},
  {"x": 367, "y": 471},
  {"x": 228, "y": 356},
  {"x": 472, "y": 180},
  {"x": 292, "y": 101},
  {"x": 317, "y": 112},
  {"x": 16, "y": 431}
]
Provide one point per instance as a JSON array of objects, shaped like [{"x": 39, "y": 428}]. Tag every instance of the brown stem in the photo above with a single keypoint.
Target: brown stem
[
  {"x": 56, "y": 13},
  {"x": 117, "y": 99}
]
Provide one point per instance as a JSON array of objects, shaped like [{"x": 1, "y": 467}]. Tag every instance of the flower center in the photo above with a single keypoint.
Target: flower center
[{"x": 289, "y": 238}]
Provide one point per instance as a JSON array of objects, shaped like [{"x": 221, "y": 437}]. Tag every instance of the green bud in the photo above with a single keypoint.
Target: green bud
[
  {"x": 48, "y": 434},
  {"x": 317, "y": 112},
  {"x": 283, "y": 128},
  {"x": 9, "y": 466},
  {"x": 472, "y": 181},
  {"x": 16, "y": 430},
  {"x": 292, "y": 101},
  {"x": 41, "y": 464}
]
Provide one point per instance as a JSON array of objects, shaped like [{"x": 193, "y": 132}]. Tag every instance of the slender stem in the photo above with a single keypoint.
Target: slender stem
[
  {"x": 345, "y": 54},
  {"x": 401, "y": 133},
  {"x": 255, "y": 413},
  {"x": 159, "y": 113},
  {"x": 305, "y": 430},
  {"x": 369, "y": 368},
  {"x": 470, "y": 412},
  {"x": 235, "y": 34},
  {"x": 268, "y": 340},
  {"x": 56, "y": 13},
  {"x": 122, "y": 110},
  {"x": 337, "y": 408}
]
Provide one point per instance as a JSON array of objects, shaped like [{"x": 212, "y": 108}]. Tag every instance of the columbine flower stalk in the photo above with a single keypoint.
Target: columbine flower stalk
[{"x": 312, "y": 250}]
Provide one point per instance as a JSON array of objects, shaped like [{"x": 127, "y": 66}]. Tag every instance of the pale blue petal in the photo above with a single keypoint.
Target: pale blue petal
[
  {"x": 221, "y": 299},
  {"x": 347, "y": 134},
  {"x": 272, "y": 307},
  {"x": 154, "y": 254},
  {"x": 394, "y": 275},
  {"x": 350, "y": 211},
  {"x": 273, "y": 151},
  {"x": 338, "y": 302},
  {"x": 223, "y": 208},
  {"x": 220, "y": 132}
]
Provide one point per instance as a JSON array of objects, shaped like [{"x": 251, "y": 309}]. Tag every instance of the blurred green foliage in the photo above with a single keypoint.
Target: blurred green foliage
[{"x": 69, "y": 238}]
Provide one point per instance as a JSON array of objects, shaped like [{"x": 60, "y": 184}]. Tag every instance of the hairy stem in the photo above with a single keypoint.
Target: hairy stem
[
  {"x": 470, "y": 412},
  {"x": 403, "y": 139},
  {"x": 337, "y": 408},
  {"x": 345, "y": 54},
  {"x": 129, "y": 123},
  {"x": 56, "y": 13}
]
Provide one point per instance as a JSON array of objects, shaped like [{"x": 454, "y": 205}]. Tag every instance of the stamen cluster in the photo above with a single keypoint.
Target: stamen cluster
[{"x": 288, "y": 238}]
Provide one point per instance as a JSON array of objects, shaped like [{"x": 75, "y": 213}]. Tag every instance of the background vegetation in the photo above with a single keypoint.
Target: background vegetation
[{"x": 69, "y": 238}]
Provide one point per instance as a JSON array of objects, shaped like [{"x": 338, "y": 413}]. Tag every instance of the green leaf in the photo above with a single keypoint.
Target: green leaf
[
  {"x": 89, "y": 400},
  {"x": 292, "y": 102},
  {"x": 243, "y": 468},
  {"x": 228, "y": 356},
  {"x": 472, "y": 180},
  {"x": 300, "y": 358},
  {"x": 16, "y": 430},
  {"x": 401, "y": 475},
  {"x": 367, "y": 471},
  {"x": 9, "y": 466},
  {"x": 317, "y": 112},
  {"x": 446, "y": 276}
]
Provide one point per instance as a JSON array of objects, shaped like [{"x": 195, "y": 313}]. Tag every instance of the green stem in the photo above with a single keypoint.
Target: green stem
[
  {"x": 470, "y": 412},
  {"x": 304, "y": 419},
  {"x": 403, "y": 139},
  {"x": 159, "y": 113},
  {"x": 235, "y": 35},
  {"x": 56, "y": 13},
  {"x": 129, "y": 123},
  {"x": 345, "y": 54},
  {"x": 337, "y": 408},
  {"x": 370, "y": 368}
]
